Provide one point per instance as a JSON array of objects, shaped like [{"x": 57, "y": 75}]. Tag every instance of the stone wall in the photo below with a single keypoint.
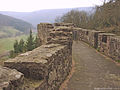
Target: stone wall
[
  {"x": 10, "y": 79},
  {"x": 114, "y": 47},
  {"x": 106, "y": 43},
  {"x": 60, "y": 68},
  {"x": 88, "y": 36},
  {"x": 51, "y": 62},
  {"x": 43, "y": 31}
]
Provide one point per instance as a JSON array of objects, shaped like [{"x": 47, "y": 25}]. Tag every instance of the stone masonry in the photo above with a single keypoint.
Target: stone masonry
[
  {"x": 104, "y": 42},
  {"x": 107, "y": 43},
  {"x": 10, "y": 79},
  {"x": 50, "y": 62},
  {"x": 43, "y": 31},
  {"x": 114, "y": 47}
]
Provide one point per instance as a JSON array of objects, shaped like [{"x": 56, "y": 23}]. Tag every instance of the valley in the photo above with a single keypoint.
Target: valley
[{"x": 6, "y": 44}]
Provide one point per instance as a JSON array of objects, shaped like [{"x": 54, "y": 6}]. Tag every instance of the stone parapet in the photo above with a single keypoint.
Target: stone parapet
[
  {"x": 51, "y": 62},
  {"x": 103, "y": 42},
  {"x": 64, "y": 24},
  {"x": 114, "y": 47},
  {"x": 43, "y": 31},
  {"x": 88, "y": 36},
  {"x": 107, "y": 43},
  {"x": 61, "y": 35}
]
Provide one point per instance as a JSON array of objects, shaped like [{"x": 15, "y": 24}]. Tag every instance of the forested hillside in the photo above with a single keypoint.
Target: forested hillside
[
  {"x": 105, "y": 17},
  {"x": 10, "y": 26},
  {"x": 47, "y": 15}
]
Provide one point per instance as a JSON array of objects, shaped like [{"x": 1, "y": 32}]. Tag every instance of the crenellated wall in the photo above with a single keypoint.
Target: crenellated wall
[
  {"x": 106, "y": 43},
  {"x": 114, "y": 47},
  {"x": 43, "y": 31},
  {"x": 51, "y": 63}
]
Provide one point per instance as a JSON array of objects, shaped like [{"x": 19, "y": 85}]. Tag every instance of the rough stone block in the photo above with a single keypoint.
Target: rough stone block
[
  {"x": 43, "y": 31},
  {"x": 103, "y": 42},
  {"x": 10, "y": 79}
]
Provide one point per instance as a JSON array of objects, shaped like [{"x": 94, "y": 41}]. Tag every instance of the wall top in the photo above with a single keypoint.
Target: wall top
[
  {"x": 107, "y": 34},
  {"x": 38, "y": 55},
  {"x": 64, "y": 24}
]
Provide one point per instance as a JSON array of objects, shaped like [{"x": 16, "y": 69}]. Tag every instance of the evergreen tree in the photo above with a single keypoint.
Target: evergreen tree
[
  {"x": 37, "y": 42},
  {"x": 21, "y": 46},
  {"x": 16, "y": 47},
  {"x": 12, "y": 54},
  {"x": 30, "y": 42}
]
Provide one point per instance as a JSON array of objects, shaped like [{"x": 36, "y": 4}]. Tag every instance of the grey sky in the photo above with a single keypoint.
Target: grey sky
[{"x": 33, "y": 5}]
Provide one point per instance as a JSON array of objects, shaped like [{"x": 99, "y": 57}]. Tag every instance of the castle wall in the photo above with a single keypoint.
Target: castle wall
[
  {"x": 114, "y": 47},
  {"x": 51, "y": 62},
  {"x": 43, "y": 31},
  {"x": 106, "y": 43}
]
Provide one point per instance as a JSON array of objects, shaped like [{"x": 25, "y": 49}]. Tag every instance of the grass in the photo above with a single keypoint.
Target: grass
[
  {"x": 118, "y": 61},
  {"x": 6, "y": 44}
]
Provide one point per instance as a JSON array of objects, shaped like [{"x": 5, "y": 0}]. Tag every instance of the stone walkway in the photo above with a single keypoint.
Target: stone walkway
[{"x": 93, "y": 71}]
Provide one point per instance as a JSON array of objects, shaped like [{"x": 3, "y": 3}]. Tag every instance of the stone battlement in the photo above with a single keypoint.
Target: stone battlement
[
  {"x": 107, "y": 43},
  {"x": 52, "y": 61},
  {"x": 33, "y": 64}
]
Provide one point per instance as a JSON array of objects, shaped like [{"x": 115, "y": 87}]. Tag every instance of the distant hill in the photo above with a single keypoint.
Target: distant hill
[
  {"x": 47, "y": 15},
  {"x": 9, "y": 31},
  {"x": 10, "y": 26}
]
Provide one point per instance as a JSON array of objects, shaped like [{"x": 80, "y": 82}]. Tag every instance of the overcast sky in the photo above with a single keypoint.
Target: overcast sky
[{"x": 34, "y": 5}]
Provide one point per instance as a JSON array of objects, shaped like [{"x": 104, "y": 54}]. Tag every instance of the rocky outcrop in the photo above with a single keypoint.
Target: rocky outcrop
[{"x": 10, "y": 79}]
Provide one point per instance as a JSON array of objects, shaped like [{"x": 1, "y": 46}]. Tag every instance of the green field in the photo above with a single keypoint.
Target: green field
[{"x": 6, "y": 44}]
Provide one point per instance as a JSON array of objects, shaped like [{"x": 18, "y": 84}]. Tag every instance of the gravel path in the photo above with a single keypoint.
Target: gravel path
[{"x": 93, "y": 71}]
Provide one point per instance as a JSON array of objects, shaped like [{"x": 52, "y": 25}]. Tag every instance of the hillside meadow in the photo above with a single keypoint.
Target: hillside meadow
[{"x": 6, "y": 44}]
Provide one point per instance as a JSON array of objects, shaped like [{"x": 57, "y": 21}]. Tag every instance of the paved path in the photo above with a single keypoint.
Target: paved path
[{"x": 93, "y": 70}]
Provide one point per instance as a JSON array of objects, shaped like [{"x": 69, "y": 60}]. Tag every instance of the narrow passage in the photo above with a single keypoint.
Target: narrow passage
[{"x": 93, "y": 71}]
